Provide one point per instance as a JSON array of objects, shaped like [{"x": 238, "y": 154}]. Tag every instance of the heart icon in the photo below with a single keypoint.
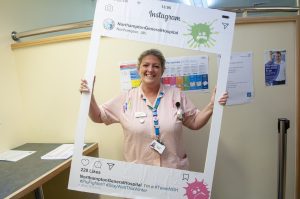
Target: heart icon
[{"x": 85, "y": 162}]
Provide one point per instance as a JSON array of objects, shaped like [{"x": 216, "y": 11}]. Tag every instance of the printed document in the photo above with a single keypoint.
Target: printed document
[{"x": 14, "y": 155}]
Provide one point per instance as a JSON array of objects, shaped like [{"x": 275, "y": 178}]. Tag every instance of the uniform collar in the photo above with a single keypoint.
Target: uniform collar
[{"x": 161, "y": 90}]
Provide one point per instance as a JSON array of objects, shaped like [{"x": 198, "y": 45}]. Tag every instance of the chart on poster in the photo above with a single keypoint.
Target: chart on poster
[{"x": 188, "y": 73}]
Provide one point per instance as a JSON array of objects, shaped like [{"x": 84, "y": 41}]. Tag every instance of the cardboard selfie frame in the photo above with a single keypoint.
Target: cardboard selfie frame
[{"x": 163, "y": 23}]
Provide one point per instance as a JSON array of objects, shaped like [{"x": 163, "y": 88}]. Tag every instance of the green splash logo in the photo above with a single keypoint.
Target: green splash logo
[{"x": 201, "y": 35}]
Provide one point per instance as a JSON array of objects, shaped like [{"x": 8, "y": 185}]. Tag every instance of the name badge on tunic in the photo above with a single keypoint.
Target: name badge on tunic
[
  {"x": 140, "y": 114},
  {"x": 157, "y": 146}
]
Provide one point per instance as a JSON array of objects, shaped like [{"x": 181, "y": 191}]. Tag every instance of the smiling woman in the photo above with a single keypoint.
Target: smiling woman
[
  {"x": 152, "y": 116},
  {"x": 151, "y": 66}
]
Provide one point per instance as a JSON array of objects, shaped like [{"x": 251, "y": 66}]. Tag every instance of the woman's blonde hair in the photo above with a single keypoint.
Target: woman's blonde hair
[{"x": 155, "y": 53}]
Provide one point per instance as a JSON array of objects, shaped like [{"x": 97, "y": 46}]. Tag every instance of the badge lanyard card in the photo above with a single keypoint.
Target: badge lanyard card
[{"x": 163, "y": 23}]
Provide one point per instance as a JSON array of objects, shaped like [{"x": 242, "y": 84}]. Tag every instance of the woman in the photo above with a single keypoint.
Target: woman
[{"x": 152, "y": 116}]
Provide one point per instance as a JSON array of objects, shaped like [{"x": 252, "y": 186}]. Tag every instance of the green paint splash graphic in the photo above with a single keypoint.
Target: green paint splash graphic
[{"x": 201, "y": 35}]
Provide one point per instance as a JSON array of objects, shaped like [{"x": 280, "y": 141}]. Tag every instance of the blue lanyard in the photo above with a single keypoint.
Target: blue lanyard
[{"x": 154, "y": 114}]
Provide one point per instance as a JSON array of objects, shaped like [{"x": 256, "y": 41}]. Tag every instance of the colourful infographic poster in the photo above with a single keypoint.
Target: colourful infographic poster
[
  {"x": 188, "y": 73},
  {"x": 130, "y": 77}
]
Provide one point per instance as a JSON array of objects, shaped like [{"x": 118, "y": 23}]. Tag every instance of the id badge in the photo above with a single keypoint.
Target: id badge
[{"x": 157, "y": 146}]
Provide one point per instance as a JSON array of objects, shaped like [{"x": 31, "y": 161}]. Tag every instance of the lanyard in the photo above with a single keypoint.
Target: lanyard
[{"x": 154, "y": 114}]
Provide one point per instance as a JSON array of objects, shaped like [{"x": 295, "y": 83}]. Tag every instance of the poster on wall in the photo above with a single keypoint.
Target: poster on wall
[
  {"x": 129, "y": 76},
  {"x": 240, "y": 78},
  {"x": 164, "y": 23},
  {"x": 188, "y": 73},
  {"x": 275, "y": 67}
]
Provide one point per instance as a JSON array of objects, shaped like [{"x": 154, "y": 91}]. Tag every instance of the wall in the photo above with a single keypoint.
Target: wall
[
  {"x": 38, "y": 14},
  {"x": 11, "y": 115},
  {"x": 247, "y": 155},
  {"x": 11, "y": 129},
  {"x": 250, "y": 131}
]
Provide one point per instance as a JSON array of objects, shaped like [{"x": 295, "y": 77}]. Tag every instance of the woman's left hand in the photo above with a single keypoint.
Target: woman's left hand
[{"x": 223, "y": 99}]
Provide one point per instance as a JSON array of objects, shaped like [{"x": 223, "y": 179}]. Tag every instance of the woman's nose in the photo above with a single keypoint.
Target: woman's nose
[{"x": 150, "y": 68}]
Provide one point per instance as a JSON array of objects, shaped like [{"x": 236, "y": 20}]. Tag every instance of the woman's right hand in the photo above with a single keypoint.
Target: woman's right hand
[
  {"x": 84, "y": 88},
  {"x": 94, "y": 111}
]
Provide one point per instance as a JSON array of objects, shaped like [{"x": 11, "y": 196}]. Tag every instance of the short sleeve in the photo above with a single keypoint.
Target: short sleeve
[
  {"x": 189, "y": 109},
  {"x": 111, "y": 111}
]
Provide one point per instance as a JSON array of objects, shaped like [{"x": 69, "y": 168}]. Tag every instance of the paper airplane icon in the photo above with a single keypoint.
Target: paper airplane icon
[
  {"x": 225, "y": 25},
  {"x": 110, "y": 165}
]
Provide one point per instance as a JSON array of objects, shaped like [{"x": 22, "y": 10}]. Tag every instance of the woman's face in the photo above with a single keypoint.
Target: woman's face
[{"x": 150, "y": 70}]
